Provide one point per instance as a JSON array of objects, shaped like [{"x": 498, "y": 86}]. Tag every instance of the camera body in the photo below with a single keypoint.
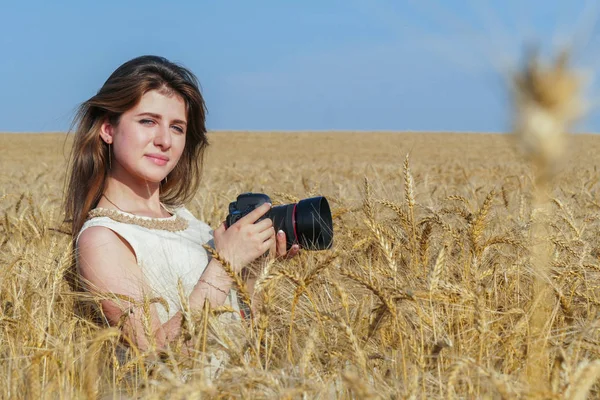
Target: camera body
[
  {"x": 245, "y": 203},
  {"x": 307, "y": 223}
]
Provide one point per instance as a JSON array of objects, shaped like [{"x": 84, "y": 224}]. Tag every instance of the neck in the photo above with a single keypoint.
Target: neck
[{"x": 137, "y": 197}]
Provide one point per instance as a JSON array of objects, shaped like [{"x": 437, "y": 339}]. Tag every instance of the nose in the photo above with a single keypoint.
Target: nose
[{"x": 162, "y": 138}]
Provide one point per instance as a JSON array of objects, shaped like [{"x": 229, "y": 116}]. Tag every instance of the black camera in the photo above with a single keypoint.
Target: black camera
[{"x": 307, "y": 223}]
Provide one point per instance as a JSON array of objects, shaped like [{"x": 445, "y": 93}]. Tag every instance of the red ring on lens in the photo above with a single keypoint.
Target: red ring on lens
[{"x": 294, "y": 222}]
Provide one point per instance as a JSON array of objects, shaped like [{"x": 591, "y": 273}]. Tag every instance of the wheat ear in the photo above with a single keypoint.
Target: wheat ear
[
  {"x": 582, "y": 380},
  {"x": 237, "y": 279}
]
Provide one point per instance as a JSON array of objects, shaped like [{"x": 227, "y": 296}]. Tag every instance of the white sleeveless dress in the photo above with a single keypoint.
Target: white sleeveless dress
[{"x": 165, "y": 256}]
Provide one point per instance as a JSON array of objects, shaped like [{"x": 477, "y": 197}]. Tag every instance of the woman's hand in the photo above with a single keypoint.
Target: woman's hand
[
  {"x": 279, "y": 250},
  {"x": 245, "y": 241}
]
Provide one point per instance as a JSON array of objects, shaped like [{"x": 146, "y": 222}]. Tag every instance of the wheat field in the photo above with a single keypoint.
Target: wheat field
[{"x": 428, "y": 292}]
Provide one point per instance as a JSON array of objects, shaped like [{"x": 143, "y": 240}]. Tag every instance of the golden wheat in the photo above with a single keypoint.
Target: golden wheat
[{"x": 390, "y": 311}]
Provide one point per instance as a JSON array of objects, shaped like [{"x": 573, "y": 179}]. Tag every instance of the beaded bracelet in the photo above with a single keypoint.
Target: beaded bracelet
[{"x": 213, "y": 286}]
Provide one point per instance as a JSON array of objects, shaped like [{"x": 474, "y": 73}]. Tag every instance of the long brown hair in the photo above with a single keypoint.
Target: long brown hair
[{"x": 89, "y": 159}]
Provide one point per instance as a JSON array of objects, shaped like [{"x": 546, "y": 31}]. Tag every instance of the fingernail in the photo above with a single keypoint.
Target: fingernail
[
  {"x": 270, "y": 205},
  {"x": 280, "y": 233},
  {"x": 295, "y": 247}
]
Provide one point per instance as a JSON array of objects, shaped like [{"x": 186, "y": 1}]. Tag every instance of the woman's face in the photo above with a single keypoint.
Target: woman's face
[{"x": 149, "y": 138}]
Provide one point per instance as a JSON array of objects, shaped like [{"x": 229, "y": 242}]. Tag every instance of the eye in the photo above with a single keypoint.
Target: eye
[
  {"x": 147, "y": 122},
  {"x": 178, "y": 128}
]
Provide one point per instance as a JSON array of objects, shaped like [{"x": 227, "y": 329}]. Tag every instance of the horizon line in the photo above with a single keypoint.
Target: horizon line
[
  {"x": 283, "y": 131},
  {"x": 292, "y": 131}
]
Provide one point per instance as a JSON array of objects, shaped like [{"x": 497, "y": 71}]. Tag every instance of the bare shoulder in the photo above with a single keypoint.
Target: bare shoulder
[
  {"x": 100, "y": 238},
  {"x": 102, "y": 254},
  {"x": 107, "y": 264},
  {"x": 96, "y": 234}
]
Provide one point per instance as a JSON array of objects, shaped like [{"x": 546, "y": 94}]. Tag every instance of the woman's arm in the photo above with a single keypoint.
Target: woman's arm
[{"x": 108, "y": 265}]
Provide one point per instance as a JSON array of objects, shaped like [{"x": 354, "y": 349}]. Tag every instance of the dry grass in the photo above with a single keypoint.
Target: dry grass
[{"x": 429, "y": 292}]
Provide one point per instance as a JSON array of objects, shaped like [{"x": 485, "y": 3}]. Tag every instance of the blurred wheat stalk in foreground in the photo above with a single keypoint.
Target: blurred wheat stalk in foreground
[{"x": 548, "y": 101}]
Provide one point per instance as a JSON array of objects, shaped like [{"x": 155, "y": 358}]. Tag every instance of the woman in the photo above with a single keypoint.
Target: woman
[{"x": 136, "y": 160}]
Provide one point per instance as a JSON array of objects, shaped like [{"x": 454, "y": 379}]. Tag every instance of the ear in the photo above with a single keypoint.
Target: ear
[{"x": 107, "y": 131}]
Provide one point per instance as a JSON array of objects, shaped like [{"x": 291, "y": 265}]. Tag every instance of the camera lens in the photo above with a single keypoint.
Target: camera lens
[{"x": 307, "y": 223}]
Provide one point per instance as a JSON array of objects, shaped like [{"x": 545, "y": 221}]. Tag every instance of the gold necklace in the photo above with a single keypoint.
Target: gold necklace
[{"x": 174, "y": 223}]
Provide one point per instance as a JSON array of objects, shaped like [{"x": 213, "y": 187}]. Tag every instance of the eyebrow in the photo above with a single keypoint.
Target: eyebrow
[{"x": 158, "y": 116}]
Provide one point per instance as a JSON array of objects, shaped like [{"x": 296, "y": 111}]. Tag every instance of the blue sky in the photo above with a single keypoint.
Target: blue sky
[{"x": 290, "y": 65}]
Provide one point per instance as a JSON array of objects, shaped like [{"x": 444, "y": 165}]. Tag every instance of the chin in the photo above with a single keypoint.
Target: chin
[
  {"x": 151, "y": 179},
  {"x": 149, "y": 175},
  {"x": 154, "y": 176}
]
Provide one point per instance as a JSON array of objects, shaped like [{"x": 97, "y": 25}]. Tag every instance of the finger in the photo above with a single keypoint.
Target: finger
[
  {"x": 293, "y": 251},
  {"x": 266, "y": 234},
  {"x": 269, "y": 244},
  {"x": 263, "y": 225},
  {"x": 255, "y": 214},
  {"x": 273, "y": 249},
  {"x": 281, "y": 244}
]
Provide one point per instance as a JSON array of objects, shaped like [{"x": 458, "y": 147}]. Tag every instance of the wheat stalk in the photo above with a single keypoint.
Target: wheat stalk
[
  {"x": 585, "y": 375},
  {"x": 547, "y": 103},
  {"x": 409, "y": 198},
  {"x": 237, "y": 279},
  {"x": 436, "y": 271},
  {"x": 368, "y": 201},
  {"x": 359, "y": 353}
]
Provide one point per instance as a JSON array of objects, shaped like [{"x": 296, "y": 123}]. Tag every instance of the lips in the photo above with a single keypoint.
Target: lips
[{"x": 158, "y": 159}]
